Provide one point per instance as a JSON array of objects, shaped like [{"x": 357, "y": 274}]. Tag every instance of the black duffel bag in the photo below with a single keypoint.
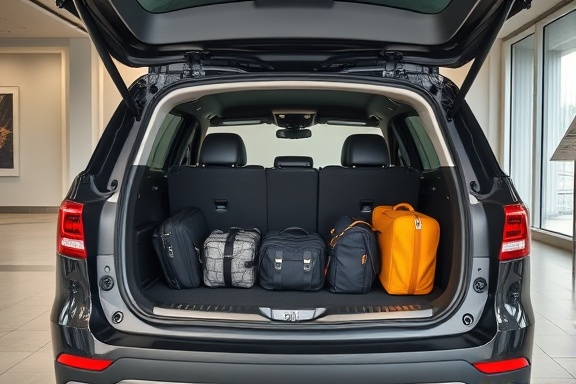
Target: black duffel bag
[
  {"x": 178, "y": 243},
  {"x": 292, "y": 260},
  {"x": 354, "y": 261}
]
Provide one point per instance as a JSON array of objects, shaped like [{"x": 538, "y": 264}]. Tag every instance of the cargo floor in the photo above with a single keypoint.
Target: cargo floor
[{"x": 203, "y": 298}]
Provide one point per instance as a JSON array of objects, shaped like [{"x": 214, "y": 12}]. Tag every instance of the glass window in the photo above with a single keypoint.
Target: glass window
[
  {"x": 324, "y": 146},
  {"x": 164, "y": 140},
  {"x": 424, "y": 145},
  {"x": 521, "y": 118},
  {"x": 559, "y": 109}
]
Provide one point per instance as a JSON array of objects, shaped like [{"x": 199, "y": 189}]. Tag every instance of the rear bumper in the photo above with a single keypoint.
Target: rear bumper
[
  {"x": 190, "y": 360},
  {"x": 157, "y": 366},
  {"x": 127, "y": 370}
]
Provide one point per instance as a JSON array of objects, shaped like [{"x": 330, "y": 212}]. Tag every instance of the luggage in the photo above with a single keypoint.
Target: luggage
[
  {"x": 178, "y": 241},
  {"x": 292, "y": 260},
  {"x": 354, "y": 261},
  {"x": 229, "y": 259},
  {"x": 408, "y": 243}
]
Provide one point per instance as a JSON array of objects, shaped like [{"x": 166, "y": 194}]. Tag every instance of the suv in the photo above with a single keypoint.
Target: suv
[{"x": 280, "y": 85}]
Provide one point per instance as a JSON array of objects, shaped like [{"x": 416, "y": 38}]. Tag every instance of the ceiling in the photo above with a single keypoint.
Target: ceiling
[
  {"x": 37, "y": 19},
  {"x": 43, "y": 19}
]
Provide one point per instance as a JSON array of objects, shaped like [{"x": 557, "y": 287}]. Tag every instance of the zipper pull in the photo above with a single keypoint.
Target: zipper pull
[
  {"x": 417, "y": 222},
  {"x": 364, "y": 258},
  {"x": 168, "y": 248}
]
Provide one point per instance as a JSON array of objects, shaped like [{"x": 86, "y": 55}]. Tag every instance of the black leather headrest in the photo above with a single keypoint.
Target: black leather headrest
[
  {"x": 365, "y": 150},
  {"x": 293, "y": 161},
  {"x": 223, "y": 149}
]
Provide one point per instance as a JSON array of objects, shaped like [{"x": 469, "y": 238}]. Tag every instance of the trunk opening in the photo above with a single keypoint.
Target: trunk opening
[{"x": 187, "y": 123}]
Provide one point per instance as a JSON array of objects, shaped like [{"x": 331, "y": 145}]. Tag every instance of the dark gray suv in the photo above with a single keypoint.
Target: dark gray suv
[{"x": 291, "y": 81}]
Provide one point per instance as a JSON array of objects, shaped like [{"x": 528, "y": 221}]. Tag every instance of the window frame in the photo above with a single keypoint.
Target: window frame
[{"x": 537, "y": 29}]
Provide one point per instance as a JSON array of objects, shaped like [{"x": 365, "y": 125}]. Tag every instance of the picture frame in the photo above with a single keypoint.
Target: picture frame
[{"x": 9, "y": 131}]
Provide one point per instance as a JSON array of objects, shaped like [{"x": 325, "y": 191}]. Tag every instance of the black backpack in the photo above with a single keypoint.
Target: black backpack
[{"x": 354, "y": 260}]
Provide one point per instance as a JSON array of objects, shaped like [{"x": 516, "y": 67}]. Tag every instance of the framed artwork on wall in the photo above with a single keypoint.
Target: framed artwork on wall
[{"x": 9, "y": 130}]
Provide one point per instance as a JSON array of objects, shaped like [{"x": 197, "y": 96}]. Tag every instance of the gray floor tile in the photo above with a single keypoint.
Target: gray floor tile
[
  {"x": 569, "y": 364},
  {"x": 24, "y": 341},
  {"x": 41, "y": 323},
  {"x": 41, "y": 361},
  {"x": 30, "y": 377},
  {"x": 10, "y": 359},
  {"x": 567, "y": 325},
  {"x": 545, "y": 327},
  {"x": 18, "y": 315},
  {"x": 544, "y": 367}
]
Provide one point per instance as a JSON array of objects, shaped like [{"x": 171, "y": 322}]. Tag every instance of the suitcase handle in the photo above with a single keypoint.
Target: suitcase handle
[
  {"x": 403, "y": 205},
  {"x": 295, "y": 229}
]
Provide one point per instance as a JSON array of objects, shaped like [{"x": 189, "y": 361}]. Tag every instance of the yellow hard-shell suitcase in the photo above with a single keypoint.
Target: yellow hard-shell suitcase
[{"x": 408, "y": 244}]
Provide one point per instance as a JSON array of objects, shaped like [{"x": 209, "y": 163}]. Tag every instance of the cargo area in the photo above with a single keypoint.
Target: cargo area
[{"x": 261, "y": 194}]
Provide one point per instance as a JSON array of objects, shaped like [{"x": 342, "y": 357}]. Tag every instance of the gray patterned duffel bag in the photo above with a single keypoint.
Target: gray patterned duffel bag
[{"x": 229, "y": 258}]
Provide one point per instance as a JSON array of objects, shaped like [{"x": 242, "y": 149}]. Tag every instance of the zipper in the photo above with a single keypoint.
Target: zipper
[
  {"x": 416, "y": 255},
  {"x": 170, "y": 253}
]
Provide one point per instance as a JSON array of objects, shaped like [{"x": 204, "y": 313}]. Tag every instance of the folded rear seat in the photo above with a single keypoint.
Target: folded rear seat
[
  {"x": 363, "y": 182},
  {"x": 292, "y": 193},
  {"x": 229, "y": 193}
]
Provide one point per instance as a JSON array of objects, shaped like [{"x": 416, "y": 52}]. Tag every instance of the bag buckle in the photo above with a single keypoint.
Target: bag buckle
[
  {"x": 307, "y": 265},
  {"x": 278, "y": 264}
]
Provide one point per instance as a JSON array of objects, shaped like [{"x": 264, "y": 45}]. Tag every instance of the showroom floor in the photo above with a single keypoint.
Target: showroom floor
[{"x": 27, "y": 259}]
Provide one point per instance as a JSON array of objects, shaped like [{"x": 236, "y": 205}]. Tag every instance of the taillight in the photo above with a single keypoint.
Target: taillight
[
  {"x": 86, "y": 363},
  {"x": 516, "y": 236},
  {"x": 502, "y": 366},
  {"x": 71, "y": 230}
]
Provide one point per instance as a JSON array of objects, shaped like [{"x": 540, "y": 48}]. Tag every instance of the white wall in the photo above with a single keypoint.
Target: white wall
[
  {"x": 80, "y": 105},
  {"x": 484, "y": 97},
  {"x": 110, "y": 95},
  {"x": 39, "y": 78},
  {"x": 67, "y": 97}
]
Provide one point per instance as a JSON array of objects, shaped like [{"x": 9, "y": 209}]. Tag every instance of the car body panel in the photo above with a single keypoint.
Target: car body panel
[{"x": 451, "y": 37}]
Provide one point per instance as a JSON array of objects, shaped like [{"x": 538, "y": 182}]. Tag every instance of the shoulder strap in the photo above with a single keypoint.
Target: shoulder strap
[{"x": 228, "y": 253}]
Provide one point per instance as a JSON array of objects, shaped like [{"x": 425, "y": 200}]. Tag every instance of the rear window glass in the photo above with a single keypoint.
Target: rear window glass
[
  {"x": 164, "y": 141},
  {"x": 424, "y": 145},
  {"x": 429, "y": 6},
  {"x": 324, "y": 146}
]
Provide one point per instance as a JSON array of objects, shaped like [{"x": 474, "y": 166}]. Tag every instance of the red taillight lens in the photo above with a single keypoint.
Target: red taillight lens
[
  {"x": 516, "y": 236},
  {"x": 492, "y": 367},
  {"x": 71, "y": 230},
  {"x": 87, "y": 363}
]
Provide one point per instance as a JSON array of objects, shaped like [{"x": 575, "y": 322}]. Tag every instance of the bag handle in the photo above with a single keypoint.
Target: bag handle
[
  {"x": 353, "y": 224},
  {"x": 294, "y": 229},
  {"x": 403, "y": 205},
  {"x": 239, "y": 229}
]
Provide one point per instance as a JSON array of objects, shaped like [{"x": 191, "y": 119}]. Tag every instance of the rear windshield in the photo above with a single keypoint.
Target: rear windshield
[
  {"x": 428, "y": 7},
  {"x": 324, "y": 146}
]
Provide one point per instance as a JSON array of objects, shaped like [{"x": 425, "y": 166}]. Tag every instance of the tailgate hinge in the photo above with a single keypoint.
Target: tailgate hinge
[
  {"x": 392, "y": 64},
  {"x": 196, "y": 63}
]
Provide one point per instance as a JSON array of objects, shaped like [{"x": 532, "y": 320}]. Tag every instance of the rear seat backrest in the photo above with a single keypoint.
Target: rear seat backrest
[
  {"x": 363, "y": 182},
  {"x": 292, "y": 193},
  {"x": 229, "y": 193}
]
